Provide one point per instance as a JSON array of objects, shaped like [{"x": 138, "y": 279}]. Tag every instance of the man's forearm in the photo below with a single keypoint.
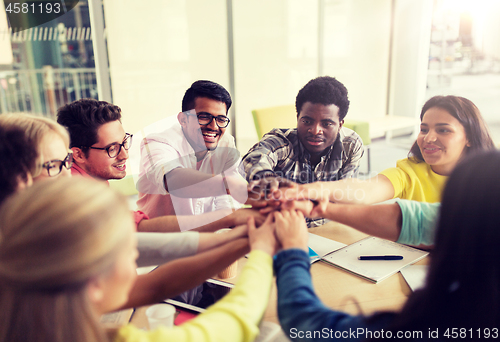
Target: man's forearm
[
  {"x": 162, "y": 224},
  {"x": 183, "y": 274},
  {"x": 353, "y": 190},
  {"x": 207, "y": 222},
  {"x": 382, "y": 220},
  {"x": 209, "y": 241},
  {"x": 188, "y": 183}
]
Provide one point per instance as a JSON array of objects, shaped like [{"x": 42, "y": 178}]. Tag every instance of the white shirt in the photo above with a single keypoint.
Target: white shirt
[
  {"x": 159, "y": 248},
  {"x": 163, "y": 152}
]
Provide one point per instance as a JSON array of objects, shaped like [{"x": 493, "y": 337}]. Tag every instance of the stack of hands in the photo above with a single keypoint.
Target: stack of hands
[
  {"x": 285, "y": 203},
  {"x": 281, "y": 230},
  {"x": 274, "y": 193}
]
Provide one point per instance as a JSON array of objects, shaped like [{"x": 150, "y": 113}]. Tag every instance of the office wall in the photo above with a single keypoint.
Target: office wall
[
  {"x": 157, "y": 50},
  {"x": 275, "y": 52},
  {"x": 356, "y": 51},
  {"x": 412, "y": 32},
  {"x": 156, "y": 54},
  {"x": 491, "y": 31}
]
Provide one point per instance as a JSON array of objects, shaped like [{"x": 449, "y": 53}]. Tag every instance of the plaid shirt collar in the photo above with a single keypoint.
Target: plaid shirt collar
[{"x": 333, "y": 151}]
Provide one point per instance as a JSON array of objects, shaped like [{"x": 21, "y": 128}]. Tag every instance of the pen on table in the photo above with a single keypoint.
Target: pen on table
[{"x": 380, "y": 257}]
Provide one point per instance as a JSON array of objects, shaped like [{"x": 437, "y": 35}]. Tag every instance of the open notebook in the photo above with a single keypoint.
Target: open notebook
[
  {"x": 415, "y": 276},
  {"x": 347, "y": 258},
  {"x": 320, "y": 246}
]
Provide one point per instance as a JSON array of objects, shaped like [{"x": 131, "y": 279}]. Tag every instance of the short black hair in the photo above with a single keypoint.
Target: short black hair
[
  {"x": 208, "y": 89},
  {"x": 324, "y": 90},
  {"x": 17, "y": 157},
  {"x": 82, "y": 118}
]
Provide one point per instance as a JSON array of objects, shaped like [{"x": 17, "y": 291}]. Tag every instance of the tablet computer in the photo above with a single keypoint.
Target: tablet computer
[{"x": 197, "y": 300}]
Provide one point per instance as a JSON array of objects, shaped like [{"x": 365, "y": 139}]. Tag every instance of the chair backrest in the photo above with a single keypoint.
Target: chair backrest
[
  {"x": 266, "y": 119},
  {"x": 362, "y": 128},
  {"x": 126, "y": 185}
]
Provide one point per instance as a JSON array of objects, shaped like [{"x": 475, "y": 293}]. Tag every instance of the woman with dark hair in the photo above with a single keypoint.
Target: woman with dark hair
[
  {"x": 468, "y": 116},
  {"x": 462, "y": 289},
  {"x": 463, "y": 285},
  {"x": 17, "y": 161},
  {"x": 451, "y": 127}
]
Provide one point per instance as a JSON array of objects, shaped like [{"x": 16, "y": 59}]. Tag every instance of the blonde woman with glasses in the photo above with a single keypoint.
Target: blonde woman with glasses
[
  {"x": 65, "y": 260},
  {"x": 51, "y": 141}
]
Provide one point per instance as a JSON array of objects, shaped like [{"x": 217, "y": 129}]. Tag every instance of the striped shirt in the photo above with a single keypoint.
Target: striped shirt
[{"x": 280, "y": 152}]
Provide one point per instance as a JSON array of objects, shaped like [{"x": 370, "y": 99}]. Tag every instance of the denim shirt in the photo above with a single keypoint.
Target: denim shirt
[{"x": 302, "y": 315}]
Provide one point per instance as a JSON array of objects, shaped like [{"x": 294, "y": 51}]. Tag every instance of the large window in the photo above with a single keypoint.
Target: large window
[
  {"x": 464, "y": 56},
  {"x": 391, "y": 54},
  {"x": 44, "y": 67}
]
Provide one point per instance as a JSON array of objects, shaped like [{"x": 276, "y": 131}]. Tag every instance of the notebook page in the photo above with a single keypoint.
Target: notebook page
[{"x": 374, "y": 270}]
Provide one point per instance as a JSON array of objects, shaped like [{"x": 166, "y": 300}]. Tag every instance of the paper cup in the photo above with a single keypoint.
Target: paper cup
[
  {"x": 160, "y": 315},
  {"x": 230, "y": 271}
]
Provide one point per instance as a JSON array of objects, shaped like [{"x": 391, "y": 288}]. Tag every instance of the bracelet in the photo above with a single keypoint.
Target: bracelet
[{"x": 264, "y": 174}]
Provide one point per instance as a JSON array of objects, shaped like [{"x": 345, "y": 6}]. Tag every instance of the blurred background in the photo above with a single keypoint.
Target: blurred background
[{"x": 392, "y": 55}]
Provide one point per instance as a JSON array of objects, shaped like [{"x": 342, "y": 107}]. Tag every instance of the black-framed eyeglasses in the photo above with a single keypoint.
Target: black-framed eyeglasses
[
  {"x": 205, "y": 118},
  {"x": 54, "y": 167},
  {"x": 114, "y": 149}
]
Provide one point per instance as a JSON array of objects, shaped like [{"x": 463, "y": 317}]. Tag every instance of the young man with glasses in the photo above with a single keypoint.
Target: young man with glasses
[
  {"x": 191, "y": 168},
  {"x": 97, "y": 139}
]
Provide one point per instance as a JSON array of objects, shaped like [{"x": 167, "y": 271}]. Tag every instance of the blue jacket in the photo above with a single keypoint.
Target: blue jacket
[{"x": 302, "y": 315}]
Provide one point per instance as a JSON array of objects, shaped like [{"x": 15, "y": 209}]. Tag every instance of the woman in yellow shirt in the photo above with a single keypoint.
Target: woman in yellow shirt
[
  {"x": 451, "y": 127},
  {"x": 65, "y": 260}
]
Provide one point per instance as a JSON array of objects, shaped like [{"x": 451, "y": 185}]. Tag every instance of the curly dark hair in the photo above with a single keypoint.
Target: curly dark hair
[
  {"x": 83, "y": 117},
  {"x": 469, "y": 117},
  {"x": 324, "y": 90},
  {"x": 17, "y": 157},
  {"x": 208, "y": 89}
]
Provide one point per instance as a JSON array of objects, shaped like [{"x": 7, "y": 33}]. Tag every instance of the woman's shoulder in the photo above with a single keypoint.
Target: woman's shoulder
[
  {"x": 411, "y": 165},
  {"x": 419, "y": 169},
  {"x": 406, "y": 165},
  {"x": 406, "y": 172}
]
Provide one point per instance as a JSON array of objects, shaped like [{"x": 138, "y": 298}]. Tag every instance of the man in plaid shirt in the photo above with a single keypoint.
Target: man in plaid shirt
[{"x": 319, "y": 149}]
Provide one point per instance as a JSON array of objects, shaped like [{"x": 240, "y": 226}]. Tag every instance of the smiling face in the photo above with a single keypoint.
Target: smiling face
[
  {"x": 442, "y": 140},
  {"x": 203, "y": 137},
  {"x": 318, "y": 126},
  {"x": 98, "y": 163},
  {"x": 53, "y": 147}
]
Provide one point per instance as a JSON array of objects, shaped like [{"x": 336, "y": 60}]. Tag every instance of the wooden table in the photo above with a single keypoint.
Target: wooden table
[{"x": 337, "y": 289}]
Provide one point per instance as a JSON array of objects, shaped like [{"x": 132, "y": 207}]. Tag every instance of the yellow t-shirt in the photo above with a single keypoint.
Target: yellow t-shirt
[
  {"x": 415, "y": 181},
  {"x": 234, "y": 318}
]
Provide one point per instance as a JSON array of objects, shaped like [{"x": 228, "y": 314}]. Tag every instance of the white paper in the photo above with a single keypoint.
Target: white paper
[
  {"x": 415, "y": 276},
  {"x": 322, "y": 246},
  {"x": 270, "y": 332},
  {"x": 375, "y": 270}
]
